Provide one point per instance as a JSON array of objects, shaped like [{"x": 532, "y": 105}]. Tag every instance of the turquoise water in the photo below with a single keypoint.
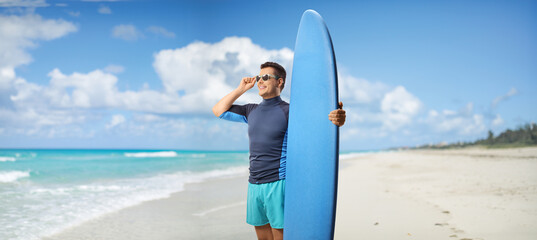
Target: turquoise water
[{"x": 45, "y": 191}]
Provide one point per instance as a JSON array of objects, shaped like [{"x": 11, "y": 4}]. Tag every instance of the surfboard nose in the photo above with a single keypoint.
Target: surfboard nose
[
  {"x": 311, "y": 11},
  {"x": 312, "y": 15}
]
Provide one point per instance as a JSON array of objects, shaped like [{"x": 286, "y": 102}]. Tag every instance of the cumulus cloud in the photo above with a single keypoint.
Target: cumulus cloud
[
  {"x": 193, "y": 81},
  {"x": 206, "y": 72},
  {"x": 399, "y": 107},
  {"x": 36, "y": 121},
  {"x": 375, "y": 109},
  {"x": 157, "y": 30},
  {"x": 462, "y": 122},
  {"x": 359, "y": 90},
  {"x": 7, "y": 75},
  {"x": 36, "y": 118},
  {"x": 19, "y": 33},
  {"x": 95, "y": 89},
  {"x": 126, "y": 32}
]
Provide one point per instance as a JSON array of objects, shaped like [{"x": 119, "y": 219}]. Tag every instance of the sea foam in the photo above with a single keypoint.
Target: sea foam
[
  {"x": 7, "y": 159},
  {"x": 12, "y": 176},
  {"x": 89, "y": 201},
  {"x": 152, "y": 154}
]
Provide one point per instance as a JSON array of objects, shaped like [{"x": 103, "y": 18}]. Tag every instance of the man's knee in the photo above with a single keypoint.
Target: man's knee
[
  {"x": 277, "y": 234},
  {"x": 264, "y": 232}
]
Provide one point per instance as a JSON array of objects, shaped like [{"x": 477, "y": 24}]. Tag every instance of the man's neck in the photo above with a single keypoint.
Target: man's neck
[{"x": 271, "y": 96}]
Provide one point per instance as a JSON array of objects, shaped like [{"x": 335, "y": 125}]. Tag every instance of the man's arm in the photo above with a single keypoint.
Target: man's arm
[{"x": 225, "y": 103}]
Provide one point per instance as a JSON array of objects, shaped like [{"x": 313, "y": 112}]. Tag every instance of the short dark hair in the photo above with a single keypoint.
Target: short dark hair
[{"x": 280, "y": 71}]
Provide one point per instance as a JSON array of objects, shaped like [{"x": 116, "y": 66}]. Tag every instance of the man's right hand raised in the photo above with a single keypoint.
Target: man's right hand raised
[
  {"x": 226, "y": 102},
  {"x": 246, "y": 84}
]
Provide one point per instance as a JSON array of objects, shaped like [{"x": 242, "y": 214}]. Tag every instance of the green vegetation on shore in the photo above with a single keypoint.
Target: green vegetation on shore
[{"x": 522, "y": 137}]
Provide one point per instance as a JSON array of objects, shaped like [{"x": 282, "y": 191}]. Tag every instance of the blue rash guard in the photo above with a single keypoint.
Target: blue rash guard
[{"x": 267, "y": 132}]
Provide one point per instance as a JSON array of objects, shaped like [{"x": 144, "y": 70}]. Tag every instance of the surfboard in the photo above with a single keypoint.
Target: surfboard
[{"x": 313, "y": 140}]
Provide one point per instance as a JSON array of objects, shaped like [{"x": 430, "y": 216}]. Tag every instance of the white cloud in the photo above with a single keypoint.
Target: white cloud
[
  {"x": 461, "y": 122},
  {"x": 399, "y": 107},
  {"x": 207, "y": 72},
  {"x": 61, "y": 5},
  {"x": 116, "y": 120},
  {"x": 497, "y": 121},
  {"x": 498, "y": 100},
  {"x": 23, "y": 3},
  {"x": 157, "y": 30},
  {"x": 115, "y": 69},
  {"x": 95, "y": 89},
  {"x": 360, "y": 91},
  {"x": 194, "y": 80},
  {"x": 7, "y": 75},
  {"x": 68, "y": 100},
  {"x": 376, "y": 110},
  {"x": 37, "y": 118},
  {"x": 18, "y": 33},
  {"x": 104, "y": 10},
  {"x": 126, "y": 32}
]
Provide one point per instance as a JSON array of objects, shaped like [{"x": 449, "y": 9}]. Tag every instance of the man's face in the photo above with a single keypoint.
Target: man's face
[{"x": 268, "y": 88}]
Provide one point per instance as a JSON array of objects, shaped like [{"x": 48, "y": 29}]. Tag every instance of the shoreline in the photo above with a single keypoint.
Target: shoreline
[
  {"x": 412, "y": 194},
  {"x": 202, "y": 210}
]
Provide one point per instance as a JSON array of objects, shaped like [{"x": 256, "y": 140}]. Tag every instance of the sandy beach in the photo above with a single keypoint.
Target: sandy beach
[{"x": 414, "y": 194}]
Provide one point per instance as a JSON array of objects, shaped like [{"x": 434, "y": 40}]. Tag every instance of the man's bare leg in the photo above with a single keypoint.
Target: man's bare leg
[
  {"x": 264, "y": 232},
  {"x": 277, "y": 233}
]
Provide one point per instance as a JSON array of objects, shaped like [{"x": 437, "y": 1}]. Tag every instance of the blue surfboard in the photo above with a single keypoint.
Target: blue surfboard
[{"x": 313, "y": 140}]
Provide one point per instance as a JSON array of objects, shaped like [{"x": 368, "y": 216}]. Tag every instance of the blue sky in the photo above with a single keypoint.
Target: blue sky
[{"x": 145, "y": 74}]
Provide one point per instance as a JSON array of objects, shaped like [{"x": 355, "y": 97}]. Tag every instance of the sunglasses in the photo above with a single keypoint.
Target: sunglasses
[{"x": 265, "y": 77}]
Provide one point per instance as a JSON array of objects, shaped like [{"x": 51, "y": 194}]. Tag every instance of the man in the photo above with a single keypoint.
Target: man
[{"x": 267, "y": 131}]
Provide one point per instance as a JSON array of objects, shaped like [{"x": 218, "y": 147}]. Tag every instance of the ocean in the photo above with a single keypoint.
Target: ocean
[{"x": 43, "y": 192}]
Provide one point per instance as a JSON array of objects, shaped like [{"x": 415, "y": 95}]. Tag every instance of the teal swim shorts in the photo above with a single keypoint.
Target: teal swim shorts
[{"x": 265, "y": 204}]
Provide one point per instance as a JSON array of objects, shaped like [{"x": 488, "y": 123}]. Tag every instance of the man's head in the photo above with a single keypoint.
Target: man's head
[{"x": 275, "y": 81}]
